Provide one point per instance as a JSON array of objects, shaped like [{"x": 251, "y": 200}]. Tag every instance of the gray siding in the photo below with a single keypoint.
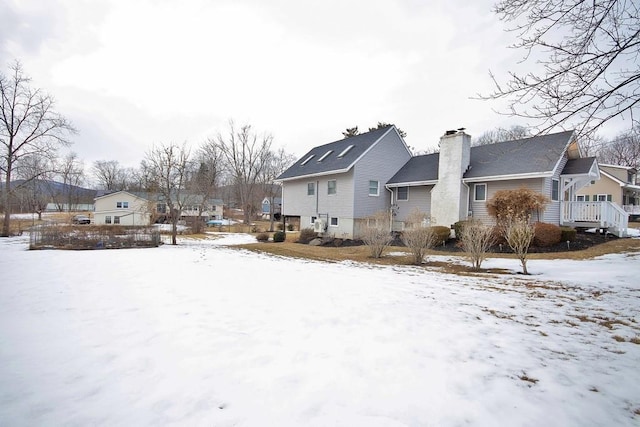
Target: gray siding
[
  {"x": 479, "y": 209},
  {"x": 419, "y": 198},
  {"x": 379, "y": 164}
]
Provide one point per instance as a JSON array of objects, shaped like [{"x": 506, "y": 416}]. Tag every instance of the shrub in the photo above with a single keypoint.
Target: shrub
[
  {"x": 458, "y": 226},
  {"x": 418, "y": 239},
  {"x": 262, "y": 237},
  {"x": 546, "y": 234},
  {"x": 507, "y": 205},
  {"x": 279, "y": 236},
  {"x": 476, "y": 239},
  {"x": 290, "y": 227},
  {"x": 440, "y": 234},
  {"x": 376, "y": 233},
  {"x": 519, "y": 235},
  {"x": 568, "y": 234},
  {"x": 307, "y": 235}
]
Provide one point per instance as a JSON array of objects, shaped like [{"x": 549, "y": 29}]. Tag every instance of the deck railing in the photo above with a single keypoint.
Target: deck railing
[
  {"x": 632, "y": 209},
  {"x": 604, "y": 214}
]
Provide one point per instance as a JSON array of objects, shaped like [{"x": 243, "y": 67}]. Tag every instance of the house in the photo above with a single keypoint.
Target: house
[
  {"x": 268, "y": 209},
  {"x": 126, "y": 208},
  {"x": 457, "y": 182},
  {"x": 617, "y": 184},
  {"x": 122, "y": 207},
  {"x": 336, "y": 186}
]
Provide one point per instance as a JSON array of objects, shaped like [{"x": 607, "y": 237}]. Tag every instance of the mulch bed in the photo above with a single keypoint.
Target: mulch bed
[{"x": 583, "y": 241}]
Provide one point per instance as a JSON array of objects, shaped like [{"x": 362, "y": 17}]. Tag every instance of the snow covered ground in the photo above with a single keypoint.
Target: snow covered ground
[{"x": 205, "y": 335}]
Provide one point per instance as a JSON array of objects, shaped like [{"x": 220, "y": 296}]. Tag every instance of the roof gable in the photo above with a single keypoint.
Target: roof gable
[{"x": 335, "y": 157}]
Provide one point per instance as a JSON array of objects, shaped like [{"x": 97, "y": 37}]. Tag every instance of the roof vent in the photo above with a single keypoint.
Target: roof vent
[{"x": 451, "y": 132}]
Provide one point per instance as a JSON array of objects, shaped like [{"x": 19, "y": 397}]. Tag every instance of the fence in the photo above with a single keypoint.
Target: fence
[{"x": 92, "y": 237}]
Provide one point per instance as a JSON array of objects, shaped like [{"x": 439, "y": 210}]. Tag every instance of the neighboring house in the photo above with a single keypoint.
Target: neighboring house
[
  {"x": 617, "y": 184},
  {"x": 336, "y": 186},
  {"x": 267, "y": 209},
  {"x": 125, "y": 208},
  {"x": 457, "y": 182}
]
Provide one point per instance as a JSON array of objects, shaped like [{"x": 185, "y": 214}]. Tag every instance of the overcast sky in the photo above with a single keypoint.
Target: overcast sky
[{"x": 129, "y": 74}]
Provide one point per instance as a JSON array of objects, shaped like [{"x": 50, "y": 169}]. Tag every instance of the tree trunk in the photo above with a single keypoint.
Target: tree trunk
[{"x": 5, "y": 199}]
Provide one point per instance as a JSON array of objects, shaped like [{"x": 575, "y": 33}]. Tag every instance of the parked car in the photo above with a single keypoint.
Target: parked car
[{"x": 81, "y": 219}]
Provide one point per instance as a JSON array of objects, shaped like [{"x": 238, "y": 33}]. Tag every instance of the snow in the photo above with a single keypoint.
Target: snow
[{"x": 205, "y": 334}]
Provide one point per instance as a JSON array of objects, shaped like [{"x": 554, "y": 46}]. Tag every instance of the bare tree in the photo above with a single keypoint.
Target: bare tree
[
  {"x": 502, "y": 134},
  {"x": 246, "y": 155},
  {"x": 110, "y": 176},
  {"x": 34, "y": 192},
  {"x": 167, "y": 169},
  {"x": 519, "y": 233},
  {"x": 277, "y": 163},
  {"x": 623, "y": 150},
  {"x": 582, "y": 58},
  {"x": 376, "y": 233},
  {"x": 70, "y": 173},
  {"x": 476, "y": 238},
  {"x": 29, "y": 126},
  {"x": 207, "y": 171}
]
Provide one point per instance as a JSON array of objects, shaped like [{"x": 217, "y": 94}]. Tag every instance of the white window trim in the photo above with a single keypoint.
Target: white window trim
[
  {"x": 314, "y": 188},
  {"x": 335, "y": 187},
  {"x": 331, "y": 221},
  {"x": 377, "y": 193},
  {"x": 475, "y": 192},
  {"x": 557, "y": 199},
  {"x": 398, "y": 194}
]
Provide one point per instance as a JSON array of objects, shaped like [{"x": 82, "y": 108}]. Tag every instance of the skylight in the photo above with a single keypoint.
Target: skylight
[
  {"x": 345, "y": 151},
  {"x": 324, "y": 156},
  {"x": 307, "y": 160}
]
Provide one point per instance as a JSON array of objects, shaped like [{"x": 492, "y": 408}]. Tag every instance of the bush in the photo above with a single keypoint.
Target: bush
[
  {"x": 290, "y": 227},
  {"x": 441, "y": 234},
  {"x": 546, "y": 234},
  {"x": 509, "y": 205},
  {"x": 476, "y": 240},
  {"x": 262, "y": 237},
  {"x": 458, "y": 226},
  {"x": 307, "y": 235},
  {"x": 279, "y": 236},
  {"x": 568, "y": 234}
]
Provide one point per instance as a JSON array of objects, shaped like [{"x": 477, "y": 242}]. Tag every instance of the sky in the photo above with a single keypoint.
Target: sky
[
  {"x": 131, "y": 74},
  {"x": 201, "y": 334}
]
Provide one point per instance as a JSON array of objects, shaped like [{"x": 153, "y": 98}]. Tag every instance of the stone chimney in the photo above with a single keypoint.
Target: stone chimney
[{"x": 449, "y": 197}]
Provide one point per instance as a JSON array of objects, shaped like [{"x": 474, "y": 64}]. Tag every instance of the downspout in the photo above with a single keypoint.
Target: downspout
[
  {"x": 468, "y": 197},
  {"x": 390, "y": 208}
]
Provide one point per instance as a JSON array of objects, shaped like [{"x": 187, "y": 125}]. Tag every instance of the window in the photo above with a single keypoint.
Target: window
[
  {"x": 116, "y": 220},
  {"x": 334, "y": 221},
  {"x": 373, "y": 188},
  {"x": 313, "y": 219},
  {"x": 332, "y": 186},
  {"x": 311, "y": 189},
  {"x": 555, "y": 189},
  {"x": 161, "y": 208},
  {"x": 403, "y": 193},
  {"x": 480, "y": 192},
  {"x": 580, "y": 198},
  {"x": 602, "y": 197},
  {"x": 122, "y": 205},
  {"x": 107, "y": 219}
]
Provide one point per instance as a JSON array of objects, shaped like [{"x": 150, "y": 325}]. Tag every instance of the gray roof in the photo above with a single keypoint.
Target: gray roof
[
  {"x": 332, "y": 162},
  {"x": 578, "y": 166},
  {"x": 538, "y": 154}
]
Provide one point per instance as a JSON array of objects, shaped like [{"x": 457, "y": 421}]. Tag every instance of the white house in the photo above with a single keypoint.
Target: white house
[{"x": 122, "y": 208}]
